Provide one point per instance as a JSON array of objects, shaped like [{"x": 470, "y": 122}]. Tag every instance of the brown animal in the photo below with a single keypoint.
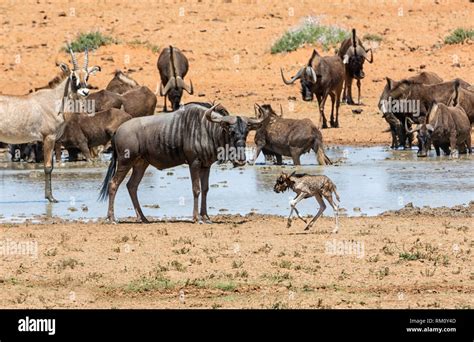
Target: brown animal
[
  {"x": 84, "y": 132},
  {"x": 323, "y": 77},
  {"x": 447, "y": 128},
  {"x": 288, "y": 137},
  {"x": 173, "y": 66},
  {"x": 306, "y": 186},
  {"x": 121, "y": 83},
  {"x": 353, "y": 55},
  {"x": 396, "y": 120},
  {"x": 465, "y": 98},
  {"x": 426, "y": 94}
]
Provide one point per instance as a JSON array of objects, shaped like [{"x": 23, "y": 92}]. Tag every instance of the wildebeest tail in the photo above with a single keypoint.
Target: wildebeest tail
[
  {"x": 104, "y": 191},
  {"x": 321, "y": 156}
]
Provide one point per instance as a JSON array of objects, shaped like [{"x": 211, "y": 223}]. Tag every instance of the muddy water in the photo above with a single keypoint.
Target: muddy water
[{"x": 370, "y": 180}]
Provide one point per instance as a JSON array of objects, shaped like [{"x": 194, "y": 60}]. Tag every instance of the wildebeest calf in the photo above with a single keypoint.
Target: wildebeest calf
[{"x": 306, "y": 186}]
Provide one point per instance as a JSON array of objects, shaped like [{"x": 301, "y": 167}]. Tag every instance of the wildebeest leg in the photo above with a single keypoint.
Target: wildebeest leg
[
  {"x": 446, "y": 149},
  {"x": 338, "y": 104},
  {"x": 438, "y": 153},
  {"x": 139, "y": 169},
  {"x": 293, "y": 204},
  {"x": 57, "y": 151},
  {"x": 117, "y": 179},
  {"x": 358, "y": 93},
  {"x": 349, "y": 100},
  {"x": 295, "y": 155},
  {"x": 194, "y": 169},
  {"x": 453, "y": 142},
  {"x": 322, "y": 103},
  {"x": 85, "y": 150},
  {"x": 333, "y": 102},
  {"x": 322, "y": 207},
  {"x": 165, "y": 109},
  {"x": 48, "y": 146},
  {"x": 279, "y": 159},
  {"x": 204, "y": 177},
  {"x": 335, "y": 207},
  {"x": 469, "y": 144}
]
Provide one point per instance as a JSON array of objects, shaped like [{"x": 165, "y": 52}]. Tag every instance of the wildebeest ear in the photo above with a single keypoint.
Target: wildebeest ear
[
  {"x": 346, "y": 59},
  {"x": 429, "y": 127},
  {"x": 389, "y": 82},
  {"x": 94, "y": 69},
  {"x": 64, "y": 67},
  {"x": 313, "y": 56}
]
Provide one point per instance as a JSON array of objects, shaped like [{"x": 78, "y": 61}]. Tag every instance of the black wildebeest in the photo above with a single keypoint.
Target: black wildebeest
[
  {"x": 196, "y": 134},
  {"x": 173, "y": 66},
  {"x": 84, "y": 132},
  {"x": 31, "y": 152},
  {"x": 323, "y": 77},
  {"x": 465, "y": 98},
  {"x": 288, "y": 137},
  {"x": 353, "y": 55},
  {"x": 121, "y": 83},
  {"x": 447, "y": 128},
  {"x": 396, "y": 120}
]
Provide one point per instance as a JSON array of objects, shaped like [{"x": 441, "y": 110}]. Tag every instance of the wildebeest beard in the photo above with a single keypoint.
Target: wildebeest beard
[
  {"x": 356, "y": 65},
  {"x": 306, "y": 90}
]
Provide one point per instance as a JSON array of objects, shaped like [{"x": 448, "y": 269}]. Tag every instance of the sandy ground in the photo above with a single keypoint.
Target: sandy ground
[
  {"x": 228, "y": 45},
  {"x": 413, "y": 261}
]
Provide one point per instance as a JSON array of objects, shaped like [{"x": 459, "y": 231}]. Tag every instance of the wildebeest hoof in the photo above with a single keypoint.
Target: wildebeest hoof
[
  {"x": 111, "y": 220},
  {"x": 288, "y": 225},
  {"x": 306, "y": 228},
  {"x": 144, "y": 220},
  {"x": 51, "y": 199},
  {"x": 325, "y": 125}
]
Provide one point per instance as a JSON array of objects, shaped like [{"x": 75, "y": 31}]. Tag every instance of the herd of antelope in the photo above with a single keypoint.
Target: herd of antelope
[{"x": 64, "y": 115}]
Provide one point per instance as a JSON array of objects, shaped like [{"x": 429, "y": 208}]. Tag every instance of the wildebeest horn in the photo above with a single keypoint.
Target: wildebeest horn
[
  {"x": 258, "y": 110},
  {"x": 254, "y": 123},
  {"x": 73, "y": 57},
  {"x": 86, "y": 59},
  {"x": 181, "y": 84},
  {"x": 171, "y": 84},
  {"x": 217, "y": 118},
  {"x": 294, "y": 78},
  {"x": 417, "y": 127},
  {"x": 281, "y": 110},
  {"x": 364, "y": 53}
]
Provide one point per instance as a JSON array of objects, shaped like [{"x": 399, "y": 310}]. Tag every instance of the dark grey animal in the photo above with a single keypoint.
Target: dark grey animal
[
  {"x": 197, "y": 134},
  {"x": 353, "y": 55},
  {"x": 288, "y": 137},
  {"x": 307, "y": 186},
  {"x": 31, "y": 152},
  {"x": 121, "y": 83},
  {"x": 323, "y": 77},
  {"x": 396, "y": 120},
  {"x": 447, "y": 128},
  {"x": 173, "y": 66}
]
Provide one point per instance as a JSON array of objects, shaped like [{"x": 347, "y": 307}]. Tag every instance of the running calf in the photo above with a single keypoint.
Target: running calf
[{"x": 306, "y": 186}]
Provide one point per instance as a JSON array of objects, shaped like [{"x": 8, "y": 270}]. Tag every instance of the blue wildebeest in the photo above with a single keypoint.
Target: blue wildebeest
[
  {"x": 196, "y": 134},
  {"x": 39, "y": 116}
]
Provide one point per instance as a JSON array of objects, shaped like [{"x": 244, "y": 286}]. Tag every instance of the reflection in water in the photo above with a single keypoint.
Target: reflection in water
[{"x": 370, "y": 180}]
